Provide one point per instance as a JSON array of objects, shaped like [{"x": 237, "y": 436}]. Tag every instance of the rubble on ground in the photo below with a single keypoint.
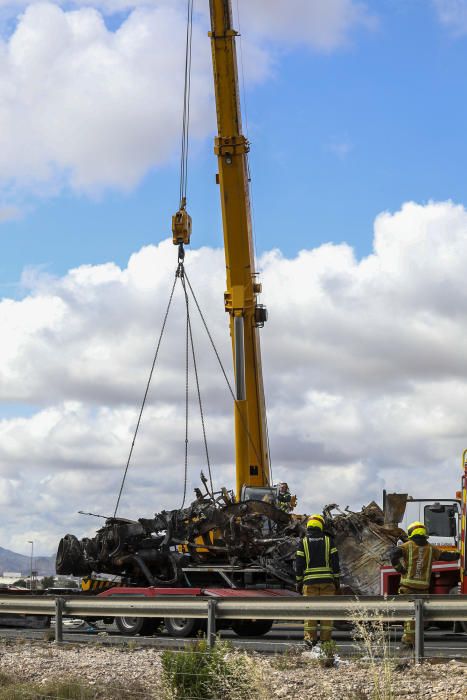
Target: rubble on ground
[{"x": 287, "y": 675}]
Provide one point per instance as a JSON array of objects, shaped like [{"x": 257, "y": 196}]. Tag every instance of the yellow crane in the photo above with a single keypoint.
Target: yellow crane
[
  {"x": 246, "y": 315},
  {"x": 241, "y": 297}
]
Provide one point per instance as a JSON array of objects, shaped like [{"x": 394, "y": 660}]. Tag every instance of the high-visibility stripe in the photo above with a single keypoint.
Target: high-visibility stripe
[
  {"x": 417, "y": 582},
  {"x": 307, "y": 550},
  {"x": 313, "y": 573},
  {"x": 300, "y": 554},
  {"x": 414, "y": 583}
]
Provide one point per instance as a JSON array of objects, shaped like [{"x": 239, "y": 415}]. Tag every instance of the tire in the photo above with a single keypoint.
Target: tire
[
  {"x": 69, "y": 559},
  {"x": 131, "y": 626},
  {"x": 182, "y": 627},
  {"x": 251, "y": 628}
]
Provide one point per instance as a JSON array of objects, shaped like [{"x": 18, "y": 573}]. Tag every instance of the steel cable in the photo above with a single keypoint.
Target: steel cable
[
  {"x": 198, "y": 390},
  {"x": 187, "y": 377},
  {"x": 186, "y": 106},
  {"x": 216, "y": 352},
  {"x": 146, "y": 392}
]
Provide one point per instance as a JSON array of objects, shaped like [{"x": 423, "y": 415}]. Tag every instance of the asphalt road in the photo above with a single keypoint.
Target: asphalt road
[{"x": 283, "y": 637}]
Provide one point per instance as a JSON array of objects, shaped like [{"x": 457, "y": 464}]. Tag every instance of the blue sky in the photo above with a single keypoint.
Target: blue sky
[
  {"x": 337, "y": 138},
  {"x": 354, "y": 109}
]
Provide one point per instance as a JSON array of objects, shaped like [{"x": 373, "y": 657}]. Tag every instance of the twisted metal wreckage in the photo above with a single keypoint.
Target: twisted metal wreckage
[{"x": 216, "y": 530}]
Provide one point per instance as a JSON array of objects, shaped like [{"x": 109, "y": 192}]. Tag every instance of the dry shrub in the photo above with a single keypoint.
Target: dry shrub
[
  {"x": 60, "y": 690},
  {"x": 71, "y": 689},
  {"x": 289, "y": 659},
  {"x": 374, "y": 642}
]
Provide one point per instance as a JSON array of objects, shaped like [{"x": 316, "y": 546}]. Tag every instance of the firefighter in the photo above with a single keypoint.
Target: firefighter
[
  {"x": 413, "y": 560},
  {"x": 317, "y": 573},
  {"x": 284, "y": 498}
]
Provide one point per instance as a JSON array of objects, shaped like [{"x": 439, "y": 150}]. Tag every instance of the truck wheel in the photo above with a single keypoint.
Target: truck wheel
[
  {"x": 130, "y": 626},
  {"x": 251, "y": 628},
  {"x": 181, "y": 626}
]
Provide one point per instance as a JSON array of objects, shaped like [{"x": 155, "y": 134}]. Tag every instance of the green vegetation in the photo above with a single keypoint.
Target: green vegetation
[
  {"x": 48, "y": 582},
  {"x": 21, "y": 583},
  {"x": 208, "y": 673},
  {"x": 328, "y": 653}
]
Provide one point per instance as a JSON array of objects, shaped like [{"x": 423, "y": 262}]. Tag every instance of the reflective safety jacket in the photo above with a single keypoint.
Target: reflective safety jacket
[
  {"x": 415, "y": 562},
  {"x": 317, "y": 560}
]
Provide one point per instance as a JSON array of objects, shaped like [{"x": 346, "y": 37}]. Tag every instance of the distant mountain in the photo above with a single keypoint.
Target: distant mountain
[{"x": 10, "y": 561}]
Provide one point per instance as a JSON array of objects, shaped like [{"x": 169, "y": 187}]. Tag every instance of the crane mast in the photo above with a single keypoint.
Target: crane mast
[{"x": 246, "y": 315}]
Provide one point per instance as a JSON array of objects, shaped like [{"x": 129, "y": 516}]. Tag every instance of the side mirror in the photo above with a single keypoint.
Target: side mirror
[{"x": 440, "y": 520}]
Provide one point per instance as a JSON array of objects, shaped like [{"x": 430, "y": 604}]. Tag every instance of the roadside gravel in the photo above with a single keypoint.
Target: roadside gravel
[{"x": 282, "y": 676}]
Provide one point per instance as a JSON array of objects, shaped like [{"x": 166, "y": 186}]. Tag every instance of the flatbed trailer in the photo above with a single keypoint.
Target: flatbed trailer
[{"x": 188, "y": 627}]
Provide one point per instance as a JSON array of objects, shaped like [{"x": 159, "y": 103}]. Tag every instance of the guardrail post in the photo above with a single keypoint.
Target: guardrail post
[
  {"x": 211, "y": 623},
  {"x": 59, "y": 605},
  {"x": 419, "y": 631}
]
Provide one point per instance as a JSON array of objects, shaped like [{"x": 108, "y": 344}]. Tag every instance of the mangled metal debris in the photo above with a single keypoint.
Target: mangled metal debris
[
  {"x": 212, "y": 530},
  {"x": 216, "y": 531},
  {"x": 363, "y": 541}
]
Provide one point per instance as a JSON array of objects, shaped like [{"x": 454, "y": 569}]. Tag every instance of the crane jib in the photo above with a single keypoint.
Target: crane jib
[{"x": 241, "y": 296}]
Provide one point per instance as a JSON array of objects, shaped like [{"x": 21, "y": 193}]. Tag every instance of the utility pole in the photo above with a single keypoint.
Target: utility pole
[{"x": 31, "y": 542}]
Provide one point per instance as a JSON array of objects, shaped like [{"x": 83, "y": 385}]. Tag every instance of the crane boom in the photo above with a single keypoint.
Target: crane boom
[{"x": 246, "y": 315}]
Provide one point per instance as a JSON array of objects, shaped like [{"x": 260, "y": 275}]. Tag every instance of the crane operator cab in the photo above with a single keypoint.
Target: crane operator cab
[{"x": 278, "y": 495}]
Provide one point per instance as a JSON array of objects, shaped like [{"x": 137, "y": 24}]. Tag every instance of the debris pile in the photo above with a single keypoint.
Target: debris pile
[
  {"x": 363, "y": 541},
  {"x": 216, "y": 530}
]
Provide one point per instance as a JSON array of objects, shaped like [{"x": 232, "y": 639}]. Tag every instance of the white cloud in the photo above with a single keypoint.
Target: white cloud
[
  {"x": 453, "y": 15},
  {"x": 89, "y": 107},
  {"x": 9, "y": 212},
  {"x": 85, "y": 105},
  {"x": 323, "y": 26},
  {"x": 365, "y": 368}
]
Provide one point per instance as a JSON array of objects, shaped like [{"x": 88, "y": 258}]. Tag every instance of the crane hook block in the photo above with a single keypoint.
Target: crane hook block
[{"x": 181, "y": 227}]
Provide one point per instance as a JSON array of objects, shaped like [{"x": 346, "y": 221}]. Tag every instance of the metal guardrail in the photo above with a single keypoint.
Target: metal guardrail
[{"x": 390, "y": 609}]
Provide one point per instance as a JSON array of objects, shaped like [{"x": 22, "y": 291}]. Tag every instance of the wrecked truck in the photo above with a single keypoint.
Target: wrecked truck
[{"x": 220, "y": 547}]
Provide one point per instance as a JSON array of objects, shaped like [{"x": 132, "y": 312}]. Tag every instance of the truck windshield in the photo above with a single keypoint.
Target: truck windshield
[{"x": 260, "y": 494}]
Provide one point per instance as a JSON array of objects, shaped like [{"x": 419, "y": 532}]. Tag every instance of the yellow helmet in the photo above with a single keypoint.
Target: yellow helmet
[
  {"x": 417, "y": 528},
  {"x": 316, "y": 521}
]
